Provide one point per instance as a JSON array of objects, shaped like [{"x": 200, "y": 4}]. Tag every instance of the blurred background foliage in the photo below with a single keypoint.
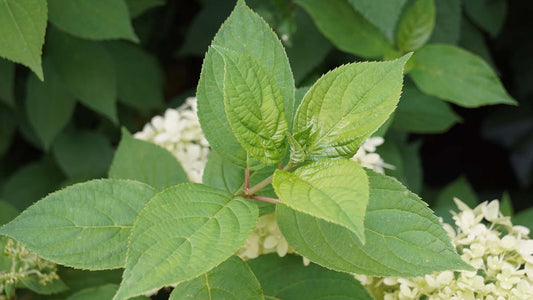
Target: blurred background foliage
[{"x": 122, "y": 67}]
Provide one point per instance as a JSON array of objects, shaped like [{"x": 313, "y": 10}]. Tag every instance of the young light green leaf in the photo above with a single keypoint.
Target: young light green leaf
[
  {"x": 49, "y": 105},
  {"x": 146, "y": 162},
  {"x": 22, "y": 30},
  {"x": 7, "y": 82},
  {"x": 403, "y": 237},
  {"x": 138, "y": 7},
  {"x": 421, "y": 113},
  {"x": 102, "y": 292},
  {"x": 86, "y": 69},
  {"x": 254, "y": 107},
  {"x": 231, "y": 280},
  {"x": 95, "y": 19},
  {"x": 347, "y": 28},
  {"x": 416, "y": 25},
  {"x": 139, "y": 77},
  {"x": 448, "y": 23},
  {"x": 90, "y": 223},
  {"x": 458, "y": 76},
  {"x": 332, "y": 190},
  {"x": 202, "y": 227},
  {"x": 487, "y": 14},
  {"x": 382, "y": 13},
  {"x": 287, "y": 278},
  {"x": 347, "y": 105},
  {"x": 297, "y": 151},
  {"x": 84, "y": 154}
]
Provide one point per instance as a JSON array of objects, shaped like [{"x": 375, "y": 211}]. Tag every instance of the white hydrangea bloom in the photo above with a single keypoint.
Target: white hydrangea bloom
[
  {"x": 501, "y": 253},
  {"x": 367, "y": 157},
  {"x": 179, "y": 131}
]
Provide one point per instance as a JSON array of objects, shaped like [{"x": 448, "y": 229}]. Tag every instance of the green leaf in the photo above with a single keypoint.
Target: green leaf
[
  {"x": 332, "y": 190},
  {"x": 84, "y": 154},
  {"x": 287, "y": 278},
  {"x": 139, "y": 78},
  {"x": 506, "y": 204},
  {"x": 403, "y": 237},
  {"x": 524, "y": 218},
  {"x": 202, "y": 227},
  {"x": 221, "y": 174},
  {"x": 346, "y": 28},
  {"x": 487, "y": 14},
  {"x": 90, "y": 222},
  {"x": 473, "y": 40},
  {"x": 8, "y": 127},
  {"x": 49, "y": 105},
  {"x": 239, "y": 33},
  {"x": 78, "y": 280},
  {"x": 406, "y": 161},
  {"x": 32, "y": 282},
  {"x": 138, "y": 7},
  {"x": 458, "y": 76},
  {"x": 421, "y": 113},
  {"x": 7, "y": 212},
  {"x": 232, "y": 279},
  {"x": 22, "y": 30},
  {"x": 103, "y": 292},
  {"x": 459, "y": 188},
  {"x": 448, "y": 23},
  {"x": 95, "y": 19},
  {"x": 416, "y": 25},
  {"x": 7, "y": 82},
  {"x": 31, "y": 182},
  {"x": 146, "y": 162},
  {"x": 347, "y": 105},
  {"x": 254, "y": 107},
  {"x": 382, "y": 13},
  {"x": 86, "y": 69}
]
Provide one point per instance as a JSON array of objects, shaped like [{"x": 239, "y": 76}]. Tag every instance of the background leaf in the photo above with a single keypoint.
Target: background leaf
[
  {"x": 487, "y": 14},
  {"x": 100, "y": 292},
  {"x": 91, "y": 223},
  {"x": 382, "y": 13},
  {"x": 138, "y": 7},
  {"x": 7, "y": 129},
  {"x": 416, "y": 25},
  {"x": 448, "y": 23},
  {"x": 7, "y": 82}
]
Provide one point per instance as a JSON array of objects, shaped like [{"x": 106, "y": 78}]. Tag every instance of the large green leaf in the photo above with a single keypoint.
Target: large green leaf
[
  {"x": 288, "y": 279},
  {"x": 448, "y": 23},
  {"x": 7, "y": 82},
  {"x": 333, "y": 190},
  {"x": 403, "y": 237},
  {"x": 254, "y": 107},
  {"x": 84, "y": 154},
  {"x": 49, "y": 105},
  {"x": 95, "y": 19},
  {"x": 182, "y": 233},
  {"x": 22, "y": 30},
  {"x": 221, "y": 174},
  {"x": 458, "y": 76},
  {"x": 421, "y": 113},
  {"x": 244, "y": 32},
  {"x": 86, "y": 69},
  {"x": 231, "y": 280},
  {"x": 347, "y": 105},
  {"x": 138, "y": 7},
  {"x": 85, "y": 226},
  {"x": 146, "y": 162},
  {"x": 139, "y": 78},
  {"x": 487, "y": 14},
  {"x": 416, "y": 25},
  {"x": 382, "y": 13},
  {"x": 103, "y": 292},
  {"x": 347, "y": 28}
]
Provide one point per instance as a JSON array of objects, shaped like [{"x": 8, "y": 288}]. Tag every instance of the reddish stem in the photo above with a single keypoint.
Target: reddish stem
[{"x": 265, "y": 199}]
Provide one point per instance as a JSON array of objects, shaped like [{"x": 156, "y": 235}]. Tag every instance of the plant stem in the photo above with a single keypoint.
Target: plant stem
[
  {"x": 246, "y": 180},
  {"x": 265, "y": 199},
  {"x": 256, "y": 188}
]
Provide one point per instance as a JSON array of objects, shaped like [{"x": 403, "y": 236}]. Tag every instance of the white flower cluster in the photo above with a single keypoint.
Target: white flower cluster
[
  {"x": 367, "y": 157},
  {"x": 23, "y": 264},
  {"x": 179, "y": 132},
  {"x": 501, "y": 253}
]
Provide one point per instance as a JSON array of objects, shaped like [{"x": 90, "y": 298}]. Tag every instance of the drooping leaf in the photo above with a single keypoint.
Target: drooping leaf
[
  {"x": 346, "y": 28},
  {"x": 421, "y": 113},
  {"x": 403, "y": 237},
  {"x": 254, "y": 107},
  {"x": 202, "y": 227},
  {"x": 54, "y": 287},
  {"x": 382, "y": 13},
  {"x": 347, "y": 105},
  {"x": 458, "y": 76},
  {"x": 416, "y": 26},
  {"x": 246, "y": 33},
  {"x": 139, "y": 78},
  {"x": 138, "y": 7},
  {"x": 95, "y": 19},
  {"x": 49, "y": 105},
  {"x": 146, "y": 162},
  {"x": 77, "y": 279},
  {"x": 231, "y": 280},
  {"x": 7, "y": 82},
  {"x": 90, "y": 223},
  {"x": 487, "y": 14},
  {"x": 22, "y": 30},
  {"x": 287, "y": 279},
  {"x": 86, "y": 69},
  {"x": 332, "y": 190},
  {"x": 102, "y": 292},
  {"x": 83, "y": 154},
  {"x": 448, "y": 23}
]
